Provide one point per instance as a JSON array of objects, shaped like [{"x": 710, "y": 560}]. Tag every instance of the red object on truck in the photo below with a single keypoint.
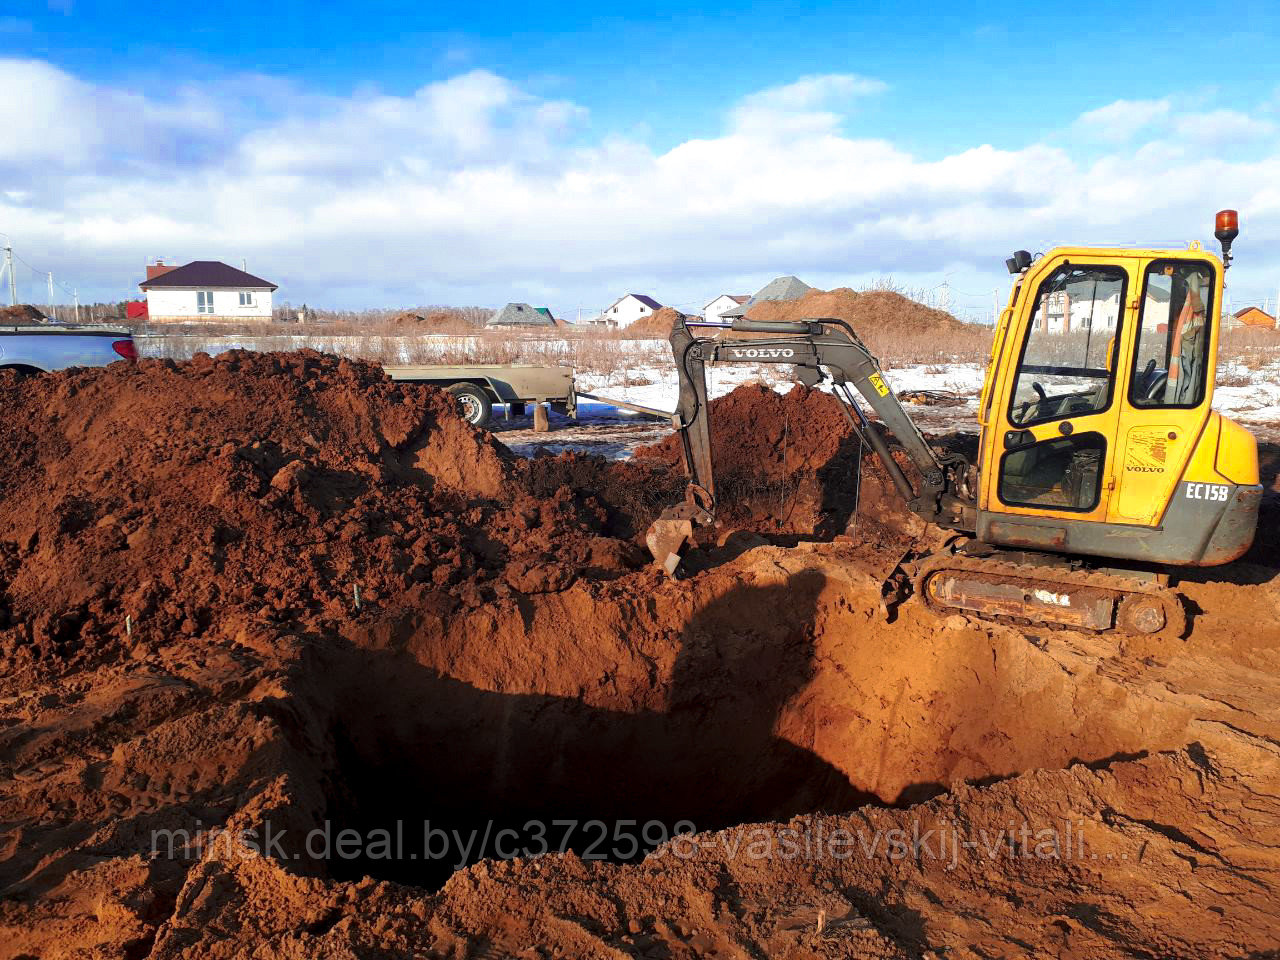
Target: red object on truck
[{"x": 136, "y": 310}]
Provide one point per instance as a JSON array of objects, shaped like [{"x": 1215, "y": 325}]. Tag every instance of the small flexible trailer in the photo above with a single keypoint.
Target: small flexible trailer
[{"x": 515, "y": 386}]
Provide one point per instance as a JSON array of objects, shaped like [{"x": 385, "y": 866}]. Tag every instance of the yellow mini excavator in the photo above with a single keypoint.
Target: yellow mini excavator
[{"x": 1101, "y": 460}]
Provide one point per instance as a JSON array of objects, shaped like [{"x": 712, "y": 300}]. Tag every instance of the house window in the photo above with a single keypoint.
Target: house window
[
  {"x": 204, "y": 301},
  {"x": 246, "y": 299}
]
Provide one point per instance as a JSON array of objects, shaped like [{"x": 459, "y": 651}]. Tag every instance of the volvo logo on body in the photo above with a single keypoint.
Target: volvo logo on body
[{"x": 762, "y": 353}]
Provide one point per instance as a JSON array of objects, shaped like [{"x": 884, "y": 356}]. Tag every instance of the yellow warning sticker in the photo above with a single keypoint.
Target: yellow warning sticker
[{"x": 877, "y": 381}]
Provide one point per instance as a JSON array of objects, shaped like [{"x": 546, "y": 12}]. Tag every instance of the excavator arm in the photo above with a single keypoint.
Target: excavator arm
[{"x": 824, "y": 348}]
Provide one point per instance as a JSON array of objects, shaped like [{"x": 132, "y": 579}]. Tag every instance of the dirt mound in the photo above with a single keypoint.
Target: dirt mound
[
  {"x": 877, "y": 310},
  {"x": 291, "y": 489},
  {"x": 791, "y": 463},
  {"x": 433, "y": 321},
  {"x": 655, "y": 326},
  {"x": 22, "y": 313},
  {"x": 890, "y": 324}
]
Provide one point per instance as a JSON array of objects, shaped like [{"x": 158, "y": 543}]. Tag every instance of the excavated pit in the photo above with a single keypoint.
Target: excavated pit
[{"x": 779, "y": 691}]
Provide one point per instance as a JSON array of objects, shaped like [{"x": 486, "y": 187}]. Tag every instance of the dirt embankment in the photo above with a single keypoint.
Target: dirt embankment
[
  {"x": 159, "y": 500},
  {"x": 894, "y": 327},
  {"x": 656, "y": 326},
  {"x": 22, "y": 313},
  {"x": 862, "y": 781}
]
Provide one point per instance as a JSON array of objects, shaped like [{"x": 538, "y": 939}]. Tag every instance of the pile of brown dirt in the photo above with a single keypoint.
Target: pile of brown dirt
[
  {"x": 22, "y": 313},
  {"x": 892, "y": 326},
  {"x": 656, "y": 326},
  {"x": 433, "y": 321},
  {"x": 884, "y": 320},
  {"x": 257, "y": 765},
  {"x": 867, "y": 313},
  {"x": 791, "y": 463},
  {"x": 272, "y": 487}
]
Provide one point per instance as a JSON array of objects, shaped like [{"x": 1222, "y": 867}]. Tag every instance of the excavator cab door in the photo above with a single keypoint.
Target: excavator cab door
[
  {"x": 1166, "y": 406},
  {"x": 1050, "y": 441}
]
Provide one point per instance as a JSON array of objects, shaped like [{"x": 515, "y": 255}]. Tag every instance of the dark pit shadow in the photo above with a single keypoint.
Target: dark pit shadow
[{"x": 415, "y": 748}]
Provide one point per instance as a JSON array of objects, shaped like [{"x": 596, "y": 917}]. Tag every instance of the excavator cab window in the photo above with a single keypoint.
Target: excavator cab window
[
  {"x": 1171, "y": 354},
  {"x": 1066, "y": 367},
  {"x": 1065, "y": 473}
]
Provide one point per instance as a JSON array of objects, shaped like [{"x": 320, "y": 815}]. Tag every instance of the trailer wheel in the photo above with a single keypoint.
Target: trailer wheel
[{"x": 473, "y": 403}]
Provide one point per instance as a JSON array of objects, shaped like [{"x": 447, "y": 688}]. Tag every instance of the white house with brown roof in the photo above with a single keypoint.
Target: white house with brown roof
[
  {"x": 627, "y": 309},
  {"x": 205, "y": 290},
  {"x": 726, "y": 301}
]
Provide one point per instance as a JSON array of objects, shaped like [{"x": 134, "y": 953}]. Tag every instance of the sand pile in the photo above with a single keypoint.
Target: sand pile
[{"x": 266, "y": 768}]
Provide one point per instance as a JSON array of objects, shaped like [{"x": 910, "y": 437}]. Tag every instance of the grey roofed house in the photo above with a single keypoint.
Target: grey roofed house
[
  {"x": 521, "y": 315},
  {"x": 781, "y": 288}
]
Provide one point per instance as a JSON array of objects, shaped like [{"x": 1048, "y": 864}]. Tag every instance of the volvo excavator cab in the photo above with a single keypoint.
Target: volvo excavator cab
[
  {"x": 1101, "y": 460},
  {"x": 1099, "y": 436}
]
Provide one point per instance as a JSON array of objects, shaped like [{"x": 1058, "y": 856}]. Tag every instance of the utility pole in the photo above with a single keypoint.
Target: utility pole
[
  {"x": 995, "y": 306},
  {"x": 13, "y": 281},
  {"x": 52, "y": 309},
  {"x": 76, "y": 295}
]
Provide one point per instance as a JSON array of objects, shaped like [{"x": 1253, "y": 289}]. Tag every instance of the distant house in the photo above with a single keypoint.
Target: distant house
[
  {"x": 206, "y": 290},
  {"x": 726, "y": 301},
  {"x": 1252, "y": 317},
  {"x": 522, "y": 315},
  {"x": 1059, "y": 313},
  {"x": 627, "y": 310},
  {"x": 780, "y": 288}
]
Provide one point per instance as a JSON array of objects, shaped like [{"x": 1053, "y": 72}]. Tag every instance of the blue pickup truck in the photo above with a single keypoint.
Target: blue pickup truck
[{"x": 44, "y": 347}]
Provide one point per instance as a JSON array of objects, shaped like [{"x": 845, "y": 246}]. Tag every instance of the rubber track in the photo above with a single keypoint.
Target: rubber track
[{"x": 1174, "y": 611}]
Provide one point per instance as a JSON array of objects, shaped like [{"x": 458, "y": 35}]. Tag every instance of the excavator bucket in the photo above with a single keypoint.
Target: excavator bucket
[{"x": 666, "y": 539}]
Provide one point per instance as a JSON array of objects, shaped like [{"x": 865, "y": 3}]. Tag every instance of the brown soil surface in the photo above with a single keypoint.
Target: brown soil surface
[
  {"x": 792, "y": 464},
  {"x": 433, "y": 321},
  {"x": 861, "y": 781},
  {"x": 886, "y": 321},
  {"x": 656, "y": 326},
  {"x": 22, "y": 313},
  {"x": 866, "y": 312}
]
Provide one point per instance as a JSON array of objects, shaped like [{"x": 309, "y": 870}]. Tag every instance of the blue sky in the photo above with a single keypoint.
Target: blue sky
[{"x": 628, "y": 147}]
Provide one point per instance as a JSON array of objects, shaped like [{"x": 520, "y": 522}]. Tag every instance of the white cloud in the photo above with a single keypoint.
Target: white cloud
[
  {"x": 54, "y": 123},
  {"x": 1222, "y": 128},
  {"x": 472, "y": 189},
  {"x": 1123, "y": 120},
  {"x": 812, "y": 104}
]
